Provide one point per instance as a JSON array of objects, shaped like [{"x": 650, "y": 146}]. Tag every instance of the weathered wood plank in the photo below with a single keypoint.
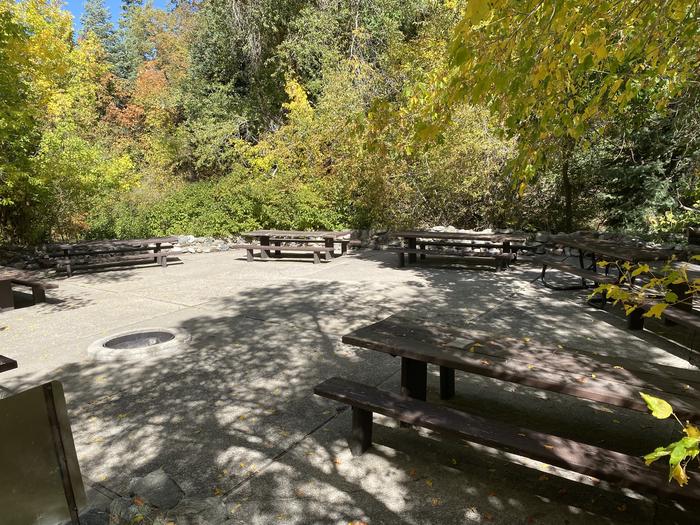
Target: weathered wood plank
[{"x": 583, "y": 377}]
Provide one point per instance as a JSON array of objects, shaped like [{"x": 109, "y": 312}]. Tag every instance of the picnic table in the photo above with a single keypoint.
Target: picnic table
[
  {"x": 12, "y": 276},
  {"x": 610, "y": 249},
  {"x": 267, "y": 241},
  {"x": 416, "y": 243},
  {"x": 110, "y": 252},
  {"x": 585, "y": 375}
]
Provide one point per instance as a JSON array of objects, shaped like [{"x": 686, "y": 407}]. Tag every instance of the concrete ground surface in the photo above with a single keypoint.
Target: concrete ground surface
[{"x": 232, "y": 415}]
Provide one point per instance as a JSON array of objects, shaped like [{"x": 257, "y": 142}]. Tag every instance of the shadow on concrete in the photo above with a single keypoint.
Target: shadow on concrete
[{"x": 233, "y": 415}]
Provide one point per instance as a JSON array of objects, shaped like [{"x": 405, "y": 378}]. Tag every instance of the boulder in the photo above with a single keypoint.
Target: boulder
[{"x": 157, "y": 489}]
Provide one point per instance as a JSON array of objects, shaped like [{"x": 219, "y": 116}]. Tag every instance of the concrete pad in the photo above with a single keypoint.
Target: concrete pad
[{"x": 232, "y": 414}]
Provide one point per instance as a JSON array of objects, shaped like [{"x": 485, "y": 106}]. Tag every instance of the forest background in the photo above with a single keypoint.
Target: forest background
[{"x": 212, "y": 117}]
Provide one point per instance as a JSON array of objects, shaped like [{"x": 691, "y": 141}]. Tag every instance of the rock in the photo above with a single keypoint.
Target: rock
[
  {"x": 176, "y": 249},
  {"x": 158, "y": 489},
  {"x": 209, "y": 511},
  {"x": 224, "y": 247},
  {"x": 95, "y": 517},
  {"x": 542, "y": 236},
  {"x": 192, "y": 249},
  {"x": 206, "y": 248},
  {"x": 185, "y": 239}
]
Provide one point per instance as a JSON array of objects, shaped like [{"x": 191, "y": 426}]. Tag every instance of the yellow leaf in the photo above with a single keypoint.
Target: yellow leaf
[
  {"x": 656, "y": 310},
  {"x": 678, "y": 473},
  {"x": 692, "y": 431},
  {"x": 429, "y": 482},
  {"x": 659, "y": 408}
]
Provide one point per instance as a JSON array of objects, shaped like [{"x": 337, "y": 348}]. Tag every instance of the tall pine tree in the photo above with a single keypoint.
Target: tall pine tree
[{"x": 96, "y": 19}]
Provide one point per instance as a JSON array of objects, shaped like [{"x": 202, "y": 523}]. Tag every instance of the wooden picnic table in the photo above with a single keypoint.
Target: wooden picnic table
[
  {"x": 107, "y": 249},
  {"x": 12, "y": 276},
  {"x": 277, "y": 237},
  {"x": 586, "y": 375},
  {"x": 610, "y": 249},
  {"x": 413, "y": 237}
]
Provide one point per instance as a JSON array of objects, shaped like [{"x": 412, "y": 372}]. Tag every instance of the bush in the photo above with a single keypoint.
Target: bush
[{"x": 220, "y": 208}]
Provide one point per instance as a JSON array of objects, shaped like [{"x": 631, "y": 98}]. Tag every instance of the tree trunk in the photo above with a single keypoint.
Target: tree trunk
[{"x": 567, "y": 187}]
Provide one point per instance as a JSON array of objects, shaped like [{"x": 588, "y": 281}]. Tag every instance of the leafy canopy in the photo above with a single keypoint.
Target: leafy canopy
[{"x": 555, "y": 70}]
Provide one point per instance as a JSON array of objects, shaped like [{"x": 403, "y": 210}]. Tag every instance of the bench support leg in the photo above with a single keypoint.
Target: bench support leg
[
  {"x": 278, "y": 254},
  {"x": 249, "y": 254},
  {"x": 412, "y": 245},
  {"x": 7, "y": 300},
  {"x": 39, "y": 294},
  {"x": 329, "y": 256},
  {"x": 402, "y": 259},
  {"x": 447, "y": 382},
  {"x": 361, "y": 437},
  {"x": 264, "y": 255},
  {"x": 164, "y": 262},
  {"x": 635, "y": 321},
  {"x": 414, "y": 380},
  {"x": 317, "y": 259},
  {"x": 422, "y": 255}
]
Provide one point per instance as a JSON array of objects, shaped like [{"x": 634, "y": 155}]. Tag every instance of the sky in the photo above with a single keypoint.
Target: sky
[{"x": 76, "y": 7}]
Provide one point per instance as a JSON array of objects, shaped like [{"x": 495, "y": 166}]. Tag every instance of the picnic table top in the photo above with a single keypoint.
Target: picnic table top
[
  {"x": 7, "y": 364},
  {"x": 113, "y": 243},
  {"x": 294, "y": 233},
  {"x": 587, "y": 375},
  {"x": 466, "y": 236},
  {"x": 613, "y": 249}
]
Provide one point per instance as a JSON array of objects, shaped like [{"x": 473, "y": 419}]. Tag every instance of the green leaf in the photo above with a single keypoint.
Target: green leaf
[
  {"x": 658, "y": 453},
  {"x": 659, "y": 408}
]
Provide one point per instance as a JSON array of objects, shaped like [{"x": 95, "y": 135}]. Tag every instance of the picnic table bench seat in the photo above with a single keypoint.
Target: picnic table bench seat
[
  {"x": 604, "y": 464},
  {"x": 266, "y": 249},
  {"x": 11, "y": 276},
  {"x": 498, "y": 260},
  {"x": 671, "y": 314},
  {"x": 69, "y": 265},
  {"x": 548, "y": 261},
  {"x": 344, "y": 243}
]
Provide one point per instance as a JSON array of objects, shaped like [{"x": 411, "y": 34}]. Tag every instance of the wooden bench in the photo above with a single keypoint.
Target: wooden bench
[
  {"x": 344, "y": 243},
  {"x": 591, "y": 460},
  {"x": 265, "y": 251},
  {"x": 69, "y": 265},
  {"x": 499, "y": 260},
  {"x": 547, "y": 261},
  {"x": 12, "y": 276},
  {"x": 671, "y": 314}
]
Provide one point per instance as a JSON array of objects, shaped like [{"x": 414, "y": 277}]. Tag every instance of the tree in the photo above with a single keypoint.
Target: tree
[
  {"x": 557, "y": 73},
  {"x": 96, "y": 19}
]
